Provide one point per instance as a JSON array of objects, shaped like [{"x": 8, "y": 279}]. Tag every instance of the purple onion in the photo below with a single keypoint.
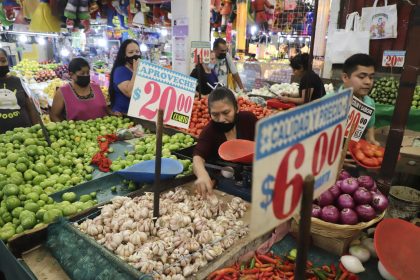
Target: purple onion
[
  {"x": 326, "y": 198},
  {"x": 374, "y": 187},
  {"x": 335, "y": 190},
  {"x": 343, "y": 175},
  {"x": 316, "y": 211},
  {"x": 349, "y": 185},
  {"x": 365, "y": 212},
  {"x": 345, "y": 201},
  {"x": 379, "y": 202},
  {"x": 330, "y": 214},
  {"x": 362, "y": 196},
  {"x": 348, "y": 217},
  {"x": 366, "y": 182}
]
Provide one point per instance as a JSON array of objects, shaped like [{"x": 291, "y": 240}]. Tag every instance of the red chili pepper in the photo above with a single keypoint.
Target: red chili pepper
[
  {"x": 344, "y": 275},
  {"x": 267, "y": 269},
  {"x": 268, "y": 259},
  {"x": 326, "y": 268},
  {"x": 342, "y": 267},
  {"x": 353, "y": 276},
  {"x": 221, "y": 272},
  {"x": 263, "y": 265},
  {"x": 309, "y": 263},
  {"x": 286, "y": 268},
  {"x": 250, "y": 271},
  {"x": 333, "y": 269},
  {"x": 257, "y": 260}
]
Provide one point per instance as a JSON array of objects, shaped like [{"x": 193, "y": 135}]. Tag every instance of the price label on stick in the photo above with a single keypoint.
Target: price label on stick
[
  {"x": 359, "y": 114},
  {"x": 290, "y": 146},
  {"x": 200, "y": 49},
  {"x": 393, "y": 59},
  {"x": 157, "y": 88}
]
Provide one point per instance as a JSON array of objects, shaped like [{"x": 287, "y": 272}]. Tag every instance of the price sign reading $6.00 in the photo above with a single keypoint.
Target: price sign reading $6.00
[
  {"x": 157, "y": 88},
  {"x": 290, "y": 146}
]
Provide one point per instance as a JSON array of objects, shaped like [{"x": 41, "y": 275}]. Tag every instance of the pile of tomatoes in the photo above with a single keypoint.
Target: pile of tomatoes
[
  {"x": 366, "y": 154},
  {"x": 200, "y": 115}
]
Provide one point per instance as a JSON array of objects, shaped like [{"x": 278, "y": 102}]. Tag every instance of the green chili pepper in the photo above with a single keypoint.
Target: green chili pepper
[
  {"x": 242, "y": 267},
  {"x": 252, "y": 264},
  {"x": 319, "y": 274}
]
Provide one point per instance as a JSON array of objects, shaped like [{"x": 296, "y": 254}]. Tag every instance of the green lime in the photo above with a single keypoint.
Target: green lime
[
  {"x": 69, "y": 196},
  {"x": 85, "y": 198},
  {"x": 32, "y": 206},
  {"x": 12, "y": 202}
]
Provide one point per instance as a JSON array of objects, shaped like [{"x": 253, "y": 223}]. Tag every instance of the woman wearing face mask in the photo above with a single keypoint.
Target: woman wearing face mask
[
  {"x": 80, "y": 99},
  {"x": 122, "y": 78},
  {"x": 208, "y": 77},
  {"x": 227, "y": 123},
  {"x": 16, "y": 108}
]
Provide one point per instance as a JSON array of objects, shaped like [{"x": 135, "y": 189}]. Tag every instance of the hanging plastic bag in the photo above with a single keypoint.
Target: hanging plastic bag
[{"x": 381, "y": 22}]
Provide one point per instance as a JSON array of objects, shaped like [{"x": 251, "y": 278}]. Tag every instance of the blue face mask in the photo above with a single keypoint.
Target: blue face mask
[{"x": 211, "y": 65}]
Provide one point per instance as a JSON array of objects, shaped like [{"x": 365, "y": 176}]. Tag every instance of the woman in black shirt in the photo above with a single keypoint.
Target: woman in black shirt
[
  {"x": 311, "y": 86},
  {"x": 207, "y": 76}
]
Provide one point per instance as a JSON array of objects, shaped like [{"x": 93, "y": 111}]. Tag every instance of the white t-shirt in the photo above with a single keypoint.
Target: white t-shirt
[{"x": 221, "y": 69}]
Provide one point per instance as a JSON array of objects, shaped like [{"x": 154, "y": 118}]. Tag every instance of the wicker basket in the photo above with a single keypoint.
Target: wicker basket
[{"x": 340, "y": 231}]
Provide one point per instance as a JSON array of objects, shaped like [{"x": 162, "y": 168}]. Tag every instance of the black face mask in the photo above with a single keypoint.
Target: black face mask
[
  {"x": 130, "y": 59},
  {"x": 225, "y": 127},
  {"x": 221, "y": 56},
  {"x": 83, "y": 81},
  {"x": 4, "y": 70}
]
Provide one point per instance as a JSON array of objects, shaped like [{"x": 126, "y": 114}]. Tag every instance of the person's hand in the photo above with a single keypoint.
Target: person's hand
[
  {"x": 135, "y": 65},
  {"x": 283, "y": 98},
  {"x": 204, "y": 186}
]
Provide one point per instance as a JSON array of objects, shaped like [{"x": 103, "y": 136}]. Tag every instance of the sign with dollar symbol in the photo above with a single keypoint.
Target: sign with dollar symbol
[
  {"x": 290, "y": 146},
  {"x": 157, "y": 88}
]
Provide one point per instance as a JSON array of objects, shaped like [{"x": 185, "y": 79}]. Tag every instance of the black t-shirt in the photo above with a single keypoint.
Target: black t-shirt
[
  {"x": 210, "y": 78},
  {"x": 13, "y": 109},
  {"x": 311, "y": 80}
]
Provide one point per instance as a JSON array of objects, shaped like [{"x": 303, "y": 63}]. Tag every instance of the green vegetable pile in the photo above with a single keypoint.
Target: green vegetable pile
[
  {"x": 145, "y": 149},
  {"x": 415, "y": 104},
  {"x": 30, "y": 171},
  {"x": 385, "y": 90}
]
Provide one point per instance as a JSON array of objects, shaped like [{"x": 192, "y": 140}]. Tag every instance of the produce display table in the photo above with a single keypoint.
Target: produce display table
[{"x": 384, "y": 115}]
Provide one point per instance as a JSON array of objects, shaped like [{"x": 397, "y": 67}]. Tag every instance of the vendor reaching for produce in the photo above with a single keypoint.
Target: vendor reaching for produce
[
  {"x": 311, "y": 86},
  {"x": 358, "y": 73},
  {"x": 80, "y": 99},
  {"x": 122, "y": 79},
  {"x": 225, "y": 64},
  {"x": 16, "y": 108},
  {"x": 227, "y": 123},
  {"x": 207, "y": 77}
]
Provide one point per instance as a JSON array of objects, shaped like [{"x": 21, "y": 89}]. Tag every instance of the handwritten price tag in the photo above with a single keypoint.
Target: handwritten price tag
[
  {"x": 359, "y": 114},
  {"x": 290, "y": 146},
  {"x": 157, "y": 88},
  {"x": 200, "y": 49},
  {"x": 393, "y": 59}
]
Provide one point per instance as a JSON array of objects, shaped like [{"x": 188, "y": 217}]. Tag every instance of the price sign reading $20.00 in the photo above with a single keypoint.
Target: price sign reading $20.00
[
  {"x": 157, "y": 88},
  {"x": 290, "y": 146},
  {"x": 200, "y": 49},
  {"x": 359, "y": 115}
]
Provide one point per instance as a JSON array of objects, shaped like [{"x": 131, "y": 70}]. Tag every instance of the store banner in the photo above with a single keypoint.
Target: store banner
[
  {"x": 200, "y": 49},
  {"x": 290, "y": 146},
  {"x": 381, "y": 22},
  {"x": 360, "y": 114},
  {"x": 157, "y": 88}
]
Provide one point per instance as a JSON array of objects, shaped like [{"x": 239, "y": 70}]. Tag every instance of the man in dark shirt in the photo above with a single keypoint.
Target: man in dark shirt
[{"x": 227, "y": 123}]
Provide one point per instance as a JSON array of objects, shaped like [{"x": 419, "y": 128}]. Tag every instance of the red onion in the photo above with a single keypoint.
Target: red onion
[
  {"x": 326, "y": 198},
  {"x": 374, "y": 187},
  {"x": 365, "y": 212},
  {"x": 335, "y": 190},
  {"x": 343, "y": 175},
  {"x": 330, "y": 214},
  {"x": 349, "y": 185},
  {"x": 348, "y": 217},
  {"x": 366, "y": 182},
  {"x": 345, "y": 201},
  {"x": 362, "y": 196},
  {"x": 316, "y": 211},
  {"x": 379, "y": 202}
]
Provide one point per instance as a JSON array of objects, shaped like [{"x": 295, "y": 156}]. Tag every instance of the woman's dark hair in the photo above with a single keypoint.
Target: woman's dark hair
[
  {"x": 351, "y": 63},
  {"x": 300, "y": 61},
  {"x": 76, "y": 64},
  {"x": 120, "y": 60},
  {"x": 222, "y": 93}
]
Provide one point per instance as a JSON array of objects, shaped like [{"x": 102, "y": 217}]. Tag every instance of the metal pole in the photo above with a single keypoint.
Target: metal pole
[
  {"x": 408, "y": 81},
  {"x": 311, "y": 51},
  {"x": 304, "y": 238},
  {"x": 158, "y": 160}
]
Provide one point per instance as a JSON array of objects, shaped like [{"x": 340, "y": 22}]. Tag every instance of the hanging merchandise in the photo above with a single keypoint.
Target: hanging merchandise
[
  {"x": 43, "y": 19},
  {"x": 8, "y": 12},
  {"x": 77, "y": 10},
  {"x": 28, "y": 7},
  {"x": 258, "y": 7},
  {"x": 226, "y": 10},
  {"x": 342, "y": 44},
  {"x": 290, "y": 5},
  {"x": 380, "y": 21}
]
